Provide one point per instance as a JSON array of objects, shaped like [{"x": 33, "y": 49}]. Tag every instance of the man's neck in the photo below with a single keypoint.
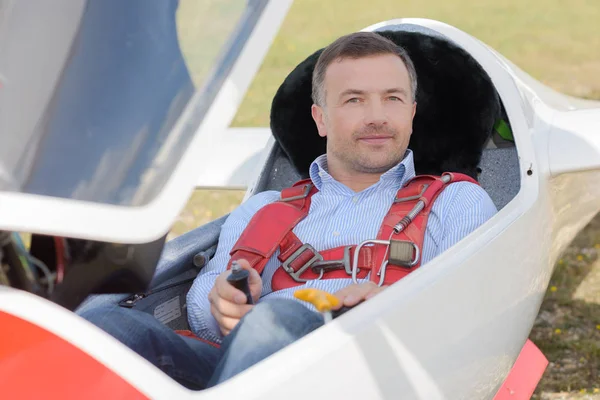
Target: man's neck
[{"x": 356, "y": 181}]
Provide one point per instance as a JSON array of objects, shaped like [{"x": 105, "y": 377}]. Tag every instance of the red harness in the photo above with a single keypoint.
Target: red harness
[{"x": 399, "y": 241}]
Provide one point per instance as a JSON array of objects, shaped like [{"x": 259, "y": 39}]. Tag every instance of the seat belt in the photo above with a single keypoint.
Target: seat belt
[{"x": 393, "y": 254}]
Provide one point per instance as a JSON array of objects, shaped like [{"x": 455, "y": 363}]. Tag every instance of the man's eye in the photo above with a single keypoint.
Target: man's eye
[
  {"x": 353, "y": 100},
  {"x": 395, "y": 98}
]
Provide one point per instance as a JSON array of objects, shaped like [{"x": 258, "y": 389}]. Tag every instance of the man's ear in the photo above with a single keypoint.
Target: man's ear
[
  {"x": 412, "y": 118},
  {"x": 318, "y": 115}
]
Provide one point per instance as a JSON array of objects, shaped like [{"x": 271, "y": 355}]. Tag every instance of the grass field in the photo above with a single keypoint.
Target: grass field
[{"x": 556, "y": 41}]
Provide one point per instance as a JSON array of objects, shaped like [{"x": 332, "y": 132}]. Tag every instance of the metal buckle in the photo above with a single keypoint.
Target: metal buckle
[
  {"x": 381, "y": 273},
  {"x": 129, "y": 302},
  {"x": 307, "y": 189},
  {"x": 355, "y": 268},
  {"x": 296, "y": 274},
  {"x": 416, "y": 253},
  {"x": 410, "y": 198},
  {"x": 335, "y": 264},
  {"x": 383, "y": 268}
]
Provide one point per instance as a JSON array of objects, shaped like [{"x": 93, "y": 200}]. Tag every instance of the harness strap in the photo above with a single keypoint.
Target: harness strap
[
  {"x": 268, "y": 227},
  {"x": 301, "y": 263},
  {"x": 272, "y": 226},
  {"x": 425, "y": 188}
]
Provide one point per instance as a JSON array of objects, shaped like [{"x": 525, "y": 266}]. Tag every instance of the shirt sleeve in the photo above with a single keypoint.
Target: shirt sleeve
[
  {"x": 200, "y": 318},
  {"x": 469, "y": 207}
]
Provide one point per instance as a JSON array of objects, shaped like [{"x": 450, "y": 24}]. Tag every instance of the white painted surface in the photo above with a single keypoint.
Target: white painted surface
[
  {"x": 574, "y": 143},
  {"x": 234, "y": 158}
]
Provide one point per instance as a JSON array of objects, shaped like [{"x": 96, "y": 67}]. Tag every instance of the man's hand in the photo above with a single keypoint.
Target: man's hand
[
  {"x": 228, "y": 304},
  {"x": 355, "y": 293}
]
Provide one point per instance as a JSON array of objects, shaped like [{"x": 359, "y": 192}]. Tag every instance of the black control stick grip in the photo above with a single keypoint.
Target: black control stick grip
[
  {"x": 337, "y": 313},
  {"x": 239, "y": 280}
]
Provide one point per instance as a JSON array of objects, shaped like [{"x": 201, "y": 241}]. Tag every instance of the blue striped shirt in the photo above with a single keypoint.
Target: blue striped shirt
[{"x": 339, "y": 216}]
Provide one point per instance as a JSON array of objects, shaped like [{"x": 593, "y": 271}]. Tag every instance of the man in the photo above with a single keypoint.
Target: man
[{"x": 364, "y": 90}]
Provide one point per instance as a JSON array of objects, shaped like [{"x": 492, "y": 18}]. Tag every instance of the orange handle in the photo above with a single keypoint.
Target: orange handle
[{"x": 322, "y": 300}]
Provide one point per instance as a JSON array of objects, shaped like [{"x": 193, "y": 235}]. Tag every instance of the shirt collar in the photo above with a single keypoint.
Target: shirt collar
[{"x": 394, "y": 177}]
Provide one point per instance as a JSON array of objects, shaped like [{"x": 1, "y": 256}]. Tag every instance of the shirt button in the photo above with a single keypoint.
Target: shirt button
[
  {"x": 355, "y": 199},
  {"x": 321, "y": 174},
  {"x": 336, "y": 233}
]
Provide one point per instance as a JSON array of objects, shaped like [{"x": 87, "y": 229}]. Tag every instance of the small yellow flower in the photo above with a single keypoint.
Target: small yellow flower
[
  {"x": 553, "y": 289},
  {"x": 598, "y": 327},
  {"x": 583, "y": 391},
  {"x": 596, "y": 390},
  {"x": 579, "y": 257},
  {"x": 597, "y": 247},
  {"x": 561, "y": 261},
  {"x": 557, "y": 331}
]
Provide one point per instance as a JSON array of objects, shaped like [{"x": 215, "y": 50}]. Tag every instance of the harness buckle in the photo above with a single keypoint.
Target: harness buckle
[
  {"x": 307, "y": 189},
  {"x": 399, "y": 261},
  {"x": 296, "y": 274},
  {"x": 329, "y": 265},
  {"x": 397, "y": 249},
  {"x": 411, "y": 198},
  {"x": 355, "y": 268},
  {"x": 404, "y": 253}
]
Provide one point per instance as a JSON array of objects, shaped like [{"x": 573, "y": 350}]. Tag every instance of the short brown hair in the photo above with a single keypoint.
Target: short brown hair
[{"x": 358, "y": 45}]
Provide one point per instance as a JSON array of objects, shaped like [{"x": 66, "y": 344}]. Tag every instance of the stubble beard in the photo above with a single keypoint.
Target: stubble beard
[{"x": 376, "y": 161}]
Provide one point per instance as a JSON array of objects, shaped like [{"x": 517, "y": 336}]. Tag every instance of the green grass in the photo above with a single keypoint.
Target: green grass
[
  {"x": 556, "y": 41},
  {"x": 205, "y": 206},
  {"x": 203, "y": 28},
  {"x": 567, "y": 329}
]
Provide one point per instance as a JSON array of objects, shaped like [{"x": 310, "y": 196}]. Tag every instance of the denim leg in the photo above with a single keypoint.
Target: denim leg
[
  {"x": 188, "y": 361},
  {"x": 268, "y": 328}
]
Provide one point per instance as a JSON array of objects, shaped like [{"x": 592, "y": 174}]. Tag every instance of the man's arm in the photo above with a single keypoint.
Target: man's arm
[
  {"x": 460, "y": 209},
  {"x": 466, "y": 207},
  {"x": 200, "y": 318}
]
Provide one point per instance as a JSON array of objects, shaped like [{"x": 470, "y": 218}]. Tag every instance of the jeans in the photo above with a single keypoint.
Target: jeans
[{"x": 268, "y": 327}]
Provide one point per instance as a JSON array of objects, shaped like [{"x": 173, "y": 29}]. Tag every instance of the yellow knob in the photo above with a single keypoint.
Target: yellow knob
[{"x": 322, "y": 300}]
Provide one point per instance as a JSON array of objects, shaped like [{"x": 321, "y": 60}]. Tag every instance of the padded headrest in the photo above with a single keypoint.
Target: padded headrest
[{"x": 457, "y": 106}]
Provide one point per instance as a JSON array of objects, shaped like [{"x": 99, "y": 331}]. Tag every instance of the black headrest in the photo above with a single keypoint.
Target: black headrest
[{"x": 457, "y": 106}]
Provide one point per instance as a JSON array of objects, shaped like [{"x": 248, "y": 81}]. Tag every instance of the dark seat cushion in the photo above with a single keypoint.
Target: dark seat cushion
[{"x": 457, "y": 106}]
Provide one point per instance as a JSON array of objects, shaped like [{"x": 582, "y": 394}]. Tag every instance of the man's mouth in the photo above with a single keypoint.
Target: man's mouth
[{"x": 375, "y": 139}]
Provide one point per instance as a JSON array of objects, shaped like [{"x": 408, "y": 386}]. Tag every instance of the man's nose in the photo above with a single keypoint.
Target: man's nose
[{"x": 375, "y": 113}]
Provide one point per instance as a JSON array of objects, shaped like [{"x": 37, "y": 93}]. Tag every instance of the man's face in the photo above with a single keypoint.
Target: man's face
[{"x": 368, "y": 113}]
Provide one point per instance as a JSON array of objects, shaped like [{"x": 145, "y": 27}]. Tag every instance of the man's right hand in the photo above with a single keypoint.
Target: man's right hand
[{"x": 228, "y": 304}]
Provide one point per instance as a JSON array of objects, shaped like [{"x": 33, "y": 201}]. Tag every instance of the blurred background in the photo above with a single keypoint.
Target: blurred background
[{"x": 556, "y": 41}]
